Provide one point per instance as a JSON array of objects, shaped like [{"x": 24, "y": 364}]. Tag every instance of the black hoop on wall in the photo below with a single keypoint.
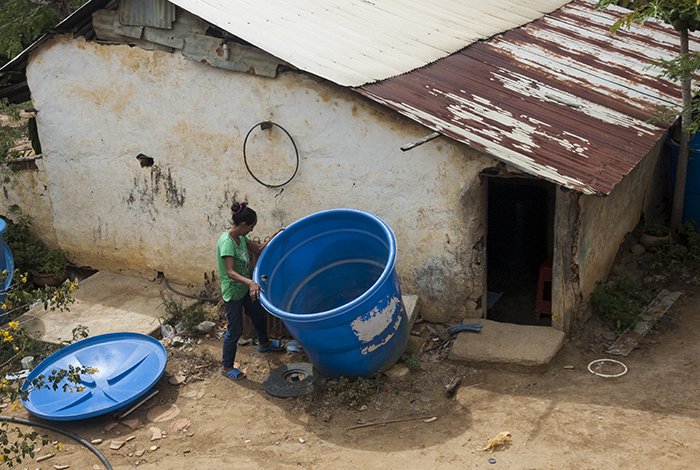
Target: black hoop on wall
[{"x": 263, "y": 126}]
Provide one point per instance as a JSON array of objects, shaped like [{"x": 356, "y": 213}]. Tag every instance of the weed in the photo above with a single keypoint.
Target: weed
[
  {"x": 620, "y": 301},
  {"x": 411, "y": 359},
  {"x": 184, "y": 317},
  {"x": 353, "y": 393}
]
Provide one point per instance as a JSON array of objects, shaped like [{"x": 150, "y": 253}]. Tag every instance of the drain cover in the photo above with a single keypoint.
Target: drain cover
[{"x": 291, "y": 380}]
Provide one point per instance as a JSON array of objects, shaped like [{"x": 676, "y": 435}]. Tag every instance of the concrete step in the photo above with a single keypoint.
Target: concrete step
[{"x": 507, "y": 344}]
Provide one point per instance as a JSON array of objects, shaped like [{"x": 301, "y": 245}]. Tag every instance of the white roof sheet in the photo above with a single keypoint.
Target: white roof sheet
[{"x": 354, "y": 42}]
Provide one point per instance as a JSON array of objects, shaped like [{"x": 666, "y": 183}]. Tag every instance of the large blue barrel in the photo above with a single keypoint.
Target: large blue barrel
[
  {"x": 330, "y": 277},
  {"x": 7, "y": 265}
]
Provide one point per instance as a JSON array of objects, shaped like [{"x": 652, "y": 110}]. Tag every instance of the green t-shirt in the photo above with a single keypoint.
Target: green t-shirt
[{"x": 230, "y": 289}]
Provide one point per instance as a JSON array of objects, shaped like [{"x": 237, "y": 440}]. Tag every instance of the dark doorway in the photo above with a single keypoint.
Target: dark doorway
[{"x": 519, "y": 247}]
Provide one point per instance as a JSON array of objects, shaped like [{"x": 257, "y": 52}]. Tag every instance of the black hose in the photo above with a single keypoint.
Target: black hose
[
  {"x": 92, "y": 448},
  {"x": 268, "y": 125}
]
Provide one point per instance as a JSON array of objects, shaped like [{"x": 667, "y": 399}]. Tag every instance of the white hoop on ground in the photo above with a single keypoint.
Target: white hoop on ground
[{"x": 607, "y": 376}]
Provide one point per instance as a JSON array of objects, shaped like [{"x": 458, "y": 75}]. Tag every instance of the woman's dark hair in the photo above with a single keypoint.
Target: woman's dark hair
[{"x": 242, "y": 213}]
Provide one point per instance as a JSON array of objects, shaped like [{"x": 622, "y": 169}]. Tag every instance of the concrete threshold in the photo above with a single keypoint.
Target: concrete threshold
[
  {"x": 106, "y": 302},
  {"x": 507, "y": 344}
]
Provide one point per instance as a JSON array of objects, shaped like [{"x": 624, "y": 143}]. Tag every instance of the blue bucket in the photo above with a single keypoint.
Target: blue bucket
[
  {"x": 330, "y": 277},
  {"x": 7, "y": 263}
]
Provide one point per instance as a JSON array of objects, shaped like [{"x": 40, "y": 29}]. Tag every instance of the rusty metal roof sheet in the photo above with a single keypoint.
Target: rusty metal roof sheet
[
  {"x": 560, "y": 98},
  {"x": 354, "y": 42}
]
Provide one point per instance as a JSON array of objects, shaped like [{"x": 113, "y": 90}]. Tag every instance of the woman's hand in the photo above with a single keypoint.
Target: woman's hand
[{"x": 254, "y": 289}]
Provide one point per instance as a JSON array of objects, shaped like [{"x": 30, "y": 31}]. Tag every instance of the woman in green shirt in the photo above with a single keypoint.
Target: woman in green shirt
[{"x": 237, "y": 290}]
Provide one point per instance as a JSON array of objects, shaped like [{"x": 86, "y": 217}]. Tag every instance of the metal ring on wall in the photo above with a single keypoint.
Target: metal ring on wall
[{"x": 267, "y": 125}]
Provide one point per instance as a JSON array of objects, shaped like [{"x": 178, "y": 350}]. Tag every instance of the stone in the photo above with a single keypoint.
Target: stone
[
  {"x": 131, "y": 423},
  {"x": 96, "y": 441},
  {"x": 179, "y": 424},
  {"x": 177, "y": 379},
  {"x": 638, "y": 249},
  {"x": 116, "y": 445},
  {"x": 156, "y": 433},
  {"x": 161, "y": 413}
]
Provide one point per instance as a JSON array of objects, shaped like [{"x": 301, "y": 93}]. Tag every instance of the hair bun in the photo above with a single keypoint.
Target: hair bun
[{"x": 237, "y": 207}]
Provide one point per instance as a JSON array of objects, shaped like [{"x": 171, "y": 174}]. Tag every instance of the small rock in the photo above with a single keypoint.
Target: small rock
[
  {"x": 302, "y": 440},
  {"x": 244, "y": 341},
  {"x": 156, "y": 433},
  {"x": 131, "y": 423},
  {"x": 206, "y": 326},
  {"x": 638, "y": 249},
  {"x": 397, "y": 371},
  {"x": 179, "y": 424},
  {"x": 177, "y": 379},
  {"x": 430, "y": 420},
  {"x": 568, "y": 367},
  {"x": 61, "y": 467},
  {"x": 130, "y": 438},
  {"x": 362, "y": 408},
  {"x": 153, "y": 448},
  {"x": 140, "y": 452},
  {"x": 44, "y": 457},
  {"x": 110, "y": 426},
  {"x": 189, "y": 434},
  {"x": 96, "y": 467},
  {"x": 96, "y": 441},
  {"x": 162, "y": 413},
  {"x": 247, "y": 441},
  {"x": 116, "y": 445}
]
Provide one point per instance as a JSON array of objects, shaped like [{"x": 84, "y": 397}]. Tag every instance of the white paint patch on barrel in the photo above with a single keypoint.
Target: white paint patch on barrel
[{"x": 366, "y": 329}]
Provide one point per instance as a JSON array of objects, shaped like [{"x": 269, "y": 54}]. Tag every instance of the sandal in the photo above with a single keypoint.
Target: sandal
[
  {"x": 273, "y": 345},
  {"x": 234, "y": 374}
]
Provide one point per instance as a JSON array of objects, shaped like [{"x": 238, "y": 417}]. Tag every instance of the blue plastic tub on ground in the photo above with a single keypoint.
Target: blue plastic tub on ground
[{"x": 127, "y": 365}]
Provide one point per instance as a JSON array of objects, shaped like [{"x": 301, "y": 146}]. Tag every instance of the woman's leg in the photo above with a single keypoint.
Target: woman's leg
[
  {"x": 257, "y": 317},
  {"x": 234, "y": 329}
]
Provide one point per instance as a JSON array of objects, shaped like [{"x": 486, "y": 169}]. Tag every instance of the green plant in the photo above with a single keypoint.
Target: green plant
[
  {"x": 52, "y": 262},
  {"x": 657, "y": 230},
  {"x": 620, "y": 301},
  {"x": 411, "y": 359},
  {"x": 353, "y": 393},
  {"x": 186, "y": 317}
]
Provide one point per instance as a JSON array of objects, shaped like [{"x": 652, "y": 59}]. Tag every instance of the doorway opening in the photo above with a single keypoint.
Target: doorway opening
[{"x": 519, "y": 250}]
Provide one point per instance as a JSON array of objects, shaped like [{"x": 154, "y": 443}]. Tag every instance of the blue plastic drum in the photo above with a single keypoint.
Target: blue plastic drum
[
  {"x": 330, "y": 277},
  {"x": 127, "y": 366}
]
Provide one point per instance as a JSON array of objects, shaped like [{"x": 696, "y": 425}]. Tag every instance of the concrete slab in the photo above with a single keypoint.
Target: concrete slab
[
  {"x": 508, "y": 344},
  {"x": 106, "y": 302}
]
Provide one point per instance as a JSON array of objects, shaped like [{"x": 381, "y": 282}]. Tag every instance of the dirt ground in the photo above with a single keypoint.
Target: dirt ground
[{"x": 559, "y": 418}]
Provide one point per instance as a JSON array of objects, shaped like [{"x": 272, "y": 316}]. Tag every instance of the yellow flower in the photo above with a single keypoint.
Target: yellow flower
[
  {"x": 4, "y": 306},
  {"x": 7, "y": 337},
  {"x": 14, "y": 325}
]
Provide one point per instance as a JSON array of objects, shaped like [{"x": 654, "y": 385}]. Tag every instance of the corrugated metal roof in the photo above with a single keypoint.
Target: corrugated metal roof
[
  {"x": 354, "y": 42},
  {"x": 560, "y": 98},
  {"x": 155, "y": 13}
]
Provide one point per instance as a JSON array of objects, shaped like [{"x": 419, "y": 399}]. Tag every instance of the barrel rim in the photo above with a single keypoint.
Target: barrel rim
[{"x": 309, "y": 317}]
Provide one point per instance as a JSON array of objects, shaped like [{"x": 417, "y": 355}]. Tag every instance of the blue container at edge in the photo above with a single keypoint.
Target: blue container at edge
[
  {"x": 7, "y": 263},
  {"x": 330, "y": 277},
  {"x": 691, "y": 199}
]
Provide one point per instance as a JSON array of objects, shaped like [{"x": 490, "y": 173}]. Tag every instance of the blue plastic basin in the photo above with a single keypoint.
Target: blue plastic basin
[
  {"x": 127, "y": 365},
  {"x": 330, "y": 277}
]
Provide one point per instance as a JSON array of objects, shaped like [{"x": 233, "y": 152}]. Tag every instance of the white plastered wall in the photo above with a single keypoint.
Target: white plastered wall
[{"x": 100, "y": 106}]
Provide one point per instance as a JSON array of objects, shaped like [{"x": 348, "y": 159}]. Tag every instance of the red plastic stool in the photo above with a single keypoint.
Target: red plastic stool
[{"x": 543, "y": 303}]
